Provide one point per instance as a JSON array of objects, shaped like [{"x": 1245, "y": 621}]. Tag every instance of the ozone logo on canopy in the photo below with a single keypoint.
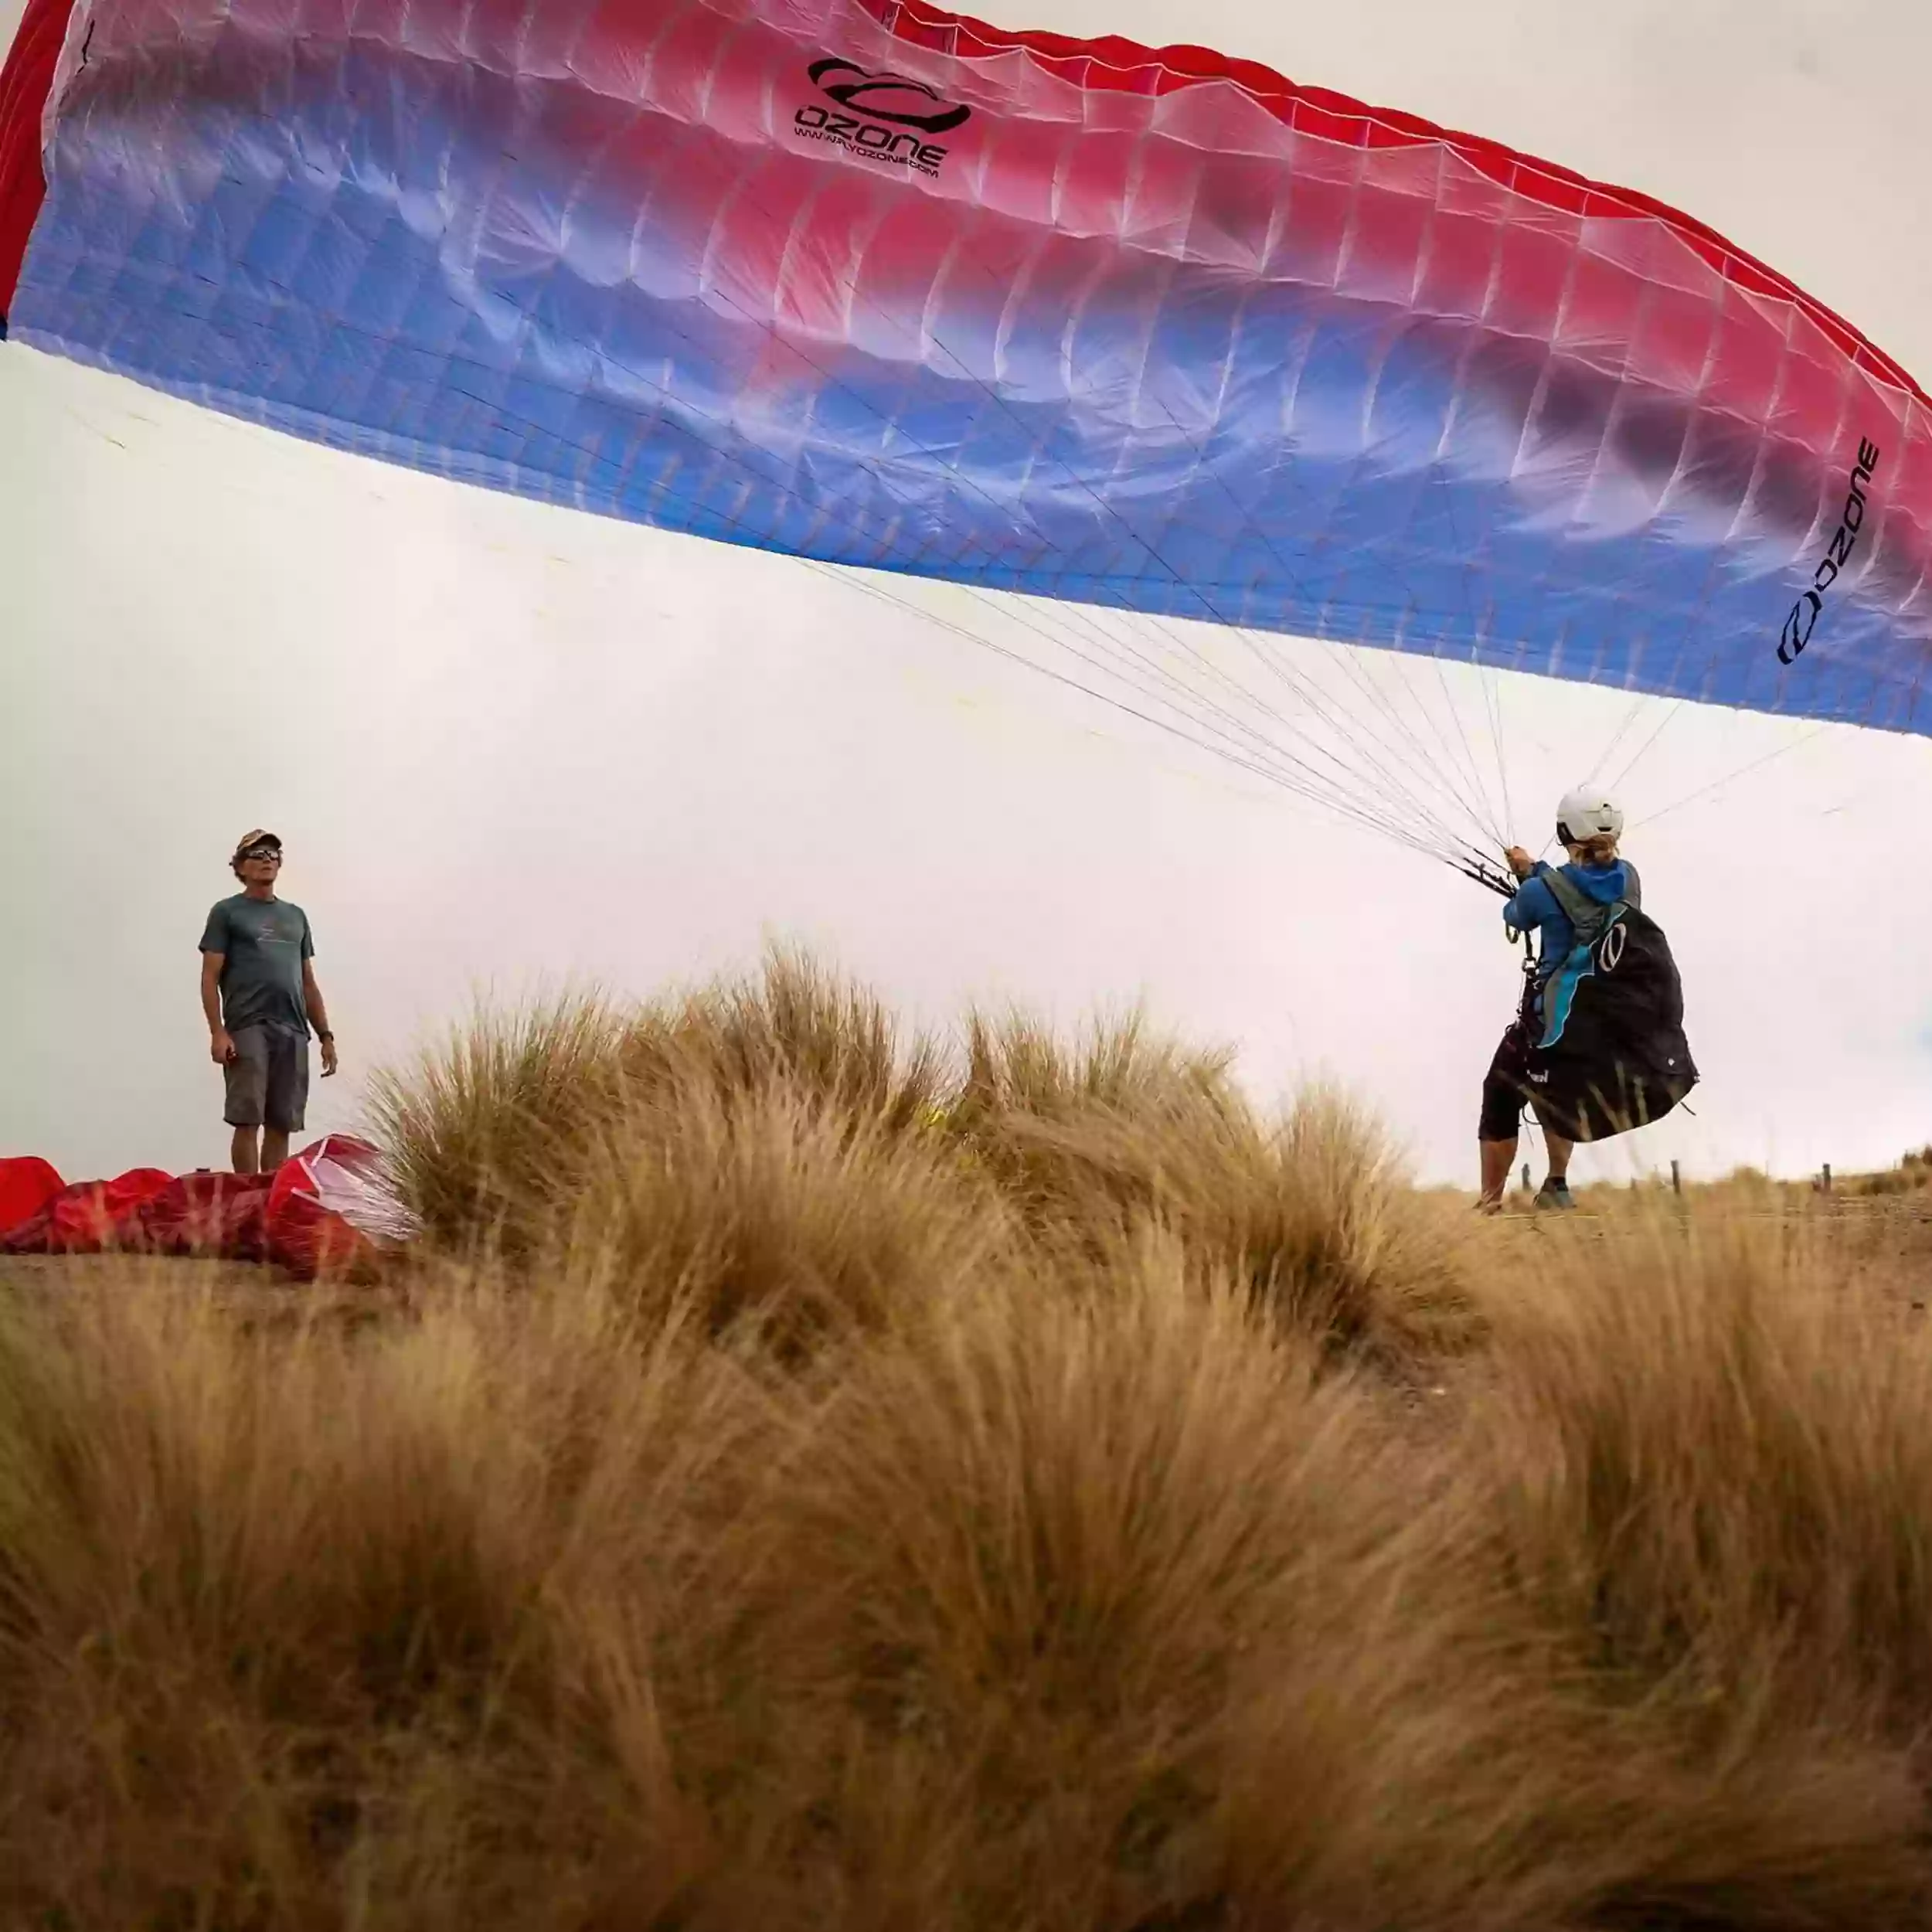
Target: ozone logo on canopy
[{"x": 891, "y": 118}]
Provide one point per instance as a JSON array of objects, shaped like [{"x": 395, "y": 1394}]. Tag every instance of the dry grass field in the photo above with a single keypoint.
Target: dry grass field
[{"x": 807, "y": 1477}]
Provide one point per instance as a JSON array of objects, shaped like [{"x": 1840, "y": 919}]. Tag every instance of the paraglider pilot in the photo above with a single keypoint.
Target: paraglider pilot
[{"x": 1589, "y": 825}]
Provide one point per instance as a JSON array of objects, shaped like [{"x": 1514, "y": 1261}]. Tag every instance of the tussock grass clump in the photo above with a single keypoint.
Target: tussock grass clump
[
  {"x": 296, "y": 1627},
  {"x": 1703, "y": 1472},
  {"x": 1720, "y": 1468},
  {"x": 772, "y": 1212},
  {"x": 478, "y": 1126},
  {"x": 1014, "y": 1569},
  {"x": 770, "y": 1143},
  {"x": 1311, "y": 1212},
  {"x": 1017, "y": 1067},
  {"x": 794, "y": 1028},
  {"x": 1027, "y": 1098},
  {"x": 500, "y": 1133}
]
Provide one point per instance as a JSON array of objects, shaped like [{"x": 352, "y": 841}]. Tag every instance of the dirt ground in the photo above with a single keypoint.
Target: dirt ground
[
  {"x": 1882, "y": 1243},
  {"x": 256, "y": 1295},
  {"x": 46, "y": 1271}
]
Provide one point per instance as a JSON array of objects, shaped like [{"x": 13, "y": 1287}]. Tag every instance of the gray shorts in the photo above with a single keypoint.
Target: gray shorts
[{"x": 267, "y": 1080}]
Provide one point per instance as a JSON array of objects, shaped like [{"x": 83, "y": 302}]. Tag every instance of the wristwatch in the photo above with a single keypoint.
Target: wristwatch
[{"x": 325, "y": 1036}]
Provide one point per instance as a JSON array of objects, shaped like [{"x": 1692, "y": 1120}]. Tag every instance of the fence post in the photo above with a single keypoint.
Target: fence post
[
  {"x": 1676, "y": 1180},
  {"x": 1828, "y": 1177},
  {"x": 1525, "y": 1177}
]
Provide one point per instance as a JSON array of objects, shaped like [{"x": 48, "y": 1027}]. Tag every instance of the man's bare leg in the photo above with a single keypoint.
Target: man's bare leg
[
  {"x": 274, "y": 1148},
  {"x": 1497, "y": 1157},
  {"x": 243, "y": 1155}
]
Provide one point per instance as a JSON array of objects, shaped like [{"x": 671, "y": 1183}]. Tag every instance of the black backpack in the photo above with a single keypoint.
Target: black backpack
[{"x": 1607, "y": 1050}]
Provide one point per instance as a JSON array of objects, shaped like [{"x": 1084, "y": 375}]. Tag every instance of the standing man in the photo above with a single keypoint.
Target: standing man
[{"x": 259, "y": 996}]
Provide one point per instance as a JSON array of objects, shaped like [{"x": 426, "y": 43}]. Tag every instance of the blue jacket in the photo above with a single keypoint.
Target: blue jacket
[{"x": 1534, "y": 909}]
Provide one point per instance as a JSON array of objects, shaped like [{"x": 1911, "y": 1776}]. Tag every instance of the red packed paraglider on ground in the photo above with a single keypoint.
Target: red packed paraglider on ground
[{"x": 325, "y": 1210}]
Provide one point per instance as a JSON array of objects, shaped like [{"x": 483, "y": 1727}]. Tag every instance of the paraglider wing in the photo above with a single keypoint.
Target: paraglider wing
[{"x": 861, "y": 282}]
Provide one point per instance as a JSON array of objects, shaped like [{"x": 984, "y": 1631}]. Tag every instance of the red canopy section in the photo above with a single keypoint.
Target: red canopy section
[
  {"x": 25, "y": 83},
  {"x": 326, "y": 1210}
]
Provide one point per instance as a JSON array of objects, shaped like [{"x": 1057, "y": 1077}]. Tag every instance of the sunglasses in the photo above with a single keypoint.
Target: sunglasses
[{"x": 263, "y": 851}]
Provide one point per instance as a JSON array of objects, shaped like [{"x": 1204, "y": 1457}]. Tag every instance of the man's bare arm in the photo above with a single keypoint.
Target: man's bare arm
[
  {"x": 312, "y": 998},
  {"x": 318, "y": 1015},
  {"x": 220, "y": 1046}
]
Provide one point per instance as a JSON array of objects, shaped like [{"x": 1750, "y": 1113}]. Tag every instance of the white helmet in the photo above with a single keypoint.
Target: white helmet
[{"x": 1587, "y": 812}]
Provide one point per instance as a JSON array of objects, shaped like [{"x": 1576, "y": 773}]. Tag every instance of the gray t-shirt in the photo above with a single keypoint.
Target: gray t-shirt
[{"x": 263, "y": 942}]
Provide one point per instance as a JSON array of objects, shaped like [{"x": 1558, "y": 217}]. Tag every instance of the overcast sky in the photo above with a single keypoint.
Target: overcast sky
[{"x": 507, "y": 745}]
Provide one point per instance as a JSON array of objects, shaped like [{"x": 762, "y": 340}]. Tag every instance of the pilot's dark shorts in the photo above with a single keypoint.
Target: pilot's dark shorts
[
  {"x": 267, "y": 1080},
  {"x": 1504, "y": 1085}
]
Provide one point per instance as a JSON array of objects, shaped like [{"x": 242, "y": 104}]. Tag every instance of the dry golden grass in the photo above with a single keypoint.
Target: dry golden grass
[
  {"x": 1723, "y": 1465},
  {"x": 476, "y": 1128},
  {"x": 769, "y": 1209},
  {"x": 793, "y": 1027},
  {"x": 811, "y": 1481},
  {"x": 1310, "y": 1213}
]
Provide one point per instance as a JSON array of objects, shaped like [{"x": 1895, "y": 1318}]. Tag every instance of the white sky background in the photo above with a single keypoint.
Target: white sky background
[{"x": 508, "y": 745}]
